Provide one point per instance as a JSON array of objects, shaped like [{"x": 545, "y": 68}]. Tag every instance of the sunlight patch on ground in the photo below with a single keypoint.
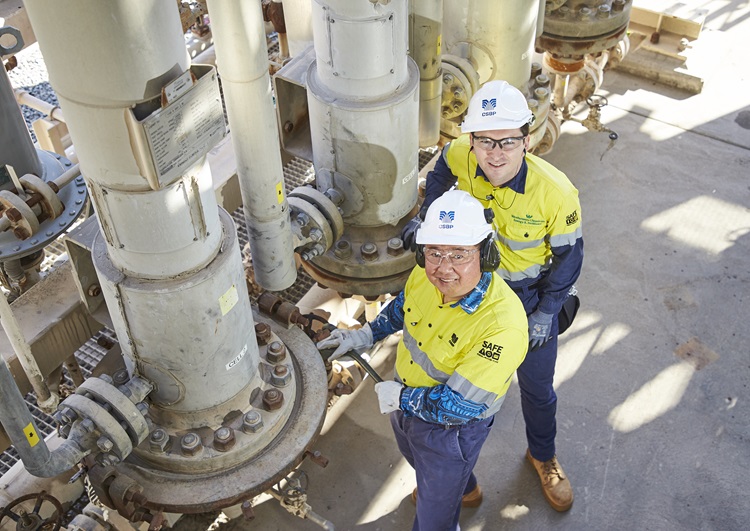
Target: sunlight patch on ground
[
  {"x": 704, "y": 222},
  {"x": 655, "y": 398},
  {"x": 401, "y": 481}
]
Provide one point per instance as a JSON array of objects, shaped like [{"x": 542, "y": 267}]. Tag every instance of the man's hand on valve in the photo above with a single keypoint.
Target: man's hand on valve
[
  {"x": 345, "y": 340},
  {"x": 389, "y": 396},
  {"x": 540, "y": 325}
]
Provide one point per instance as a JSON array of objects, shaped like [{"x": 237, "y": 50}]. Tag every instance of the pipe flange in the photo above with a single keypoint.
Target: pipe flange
[
  {"x": 122, "y": 407},
  {"x": 50, "y": 203},
  {"x": 460, "y": 81},
  {"x": 90, "y": 411},
  {"x": 326, "y": 207},
  {"x": 19, "y": 214}
]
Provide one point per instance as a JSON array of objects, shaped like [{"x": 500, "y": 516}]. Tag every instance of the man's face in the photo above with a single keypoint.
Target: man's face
[
  {"x": 453, "y": 280},
  {"x": 499, "y": 165}
]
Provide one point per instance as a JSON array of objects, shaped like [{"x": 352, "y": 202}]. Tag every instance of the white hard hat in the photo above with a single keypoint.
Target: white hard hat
[
  {"x": 496, "y": 105},
  {"x": 455, "y": 218}
]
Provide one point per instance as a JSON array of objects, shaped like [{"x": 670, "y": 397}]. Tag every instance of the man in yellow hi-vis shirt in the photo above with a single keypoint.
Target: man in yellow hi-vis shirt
[
  {"x": 464, "y": 335},
  {"x": 538, "y": 223}
]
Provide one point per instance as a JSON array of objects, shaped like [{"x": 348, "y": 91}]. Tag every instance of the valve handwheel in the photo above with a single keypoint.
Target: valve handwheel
[{"x": 34, "y": 521}]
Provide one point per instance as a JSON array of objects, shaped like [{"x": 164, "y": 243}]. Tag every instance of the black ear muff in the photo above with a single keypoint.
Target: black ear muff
[
  {"x": 489, "y": 255},
  {"x": 419, "y": 255}
]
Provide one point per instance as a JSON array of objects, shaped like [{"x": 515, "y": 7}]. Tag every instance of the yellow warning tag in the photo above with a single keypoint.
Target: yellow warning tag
[
  {"x": 280, "y": 192},
  {"x": 439, "y": 43},
  {"x": 31, "y": 435},
  {"x": 228, "y": 300}
]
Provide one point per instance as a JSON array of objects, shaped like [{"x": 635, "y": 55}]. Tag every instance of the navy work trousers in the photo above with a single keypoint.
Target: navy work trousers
[
  {"x": 444, "y": 460},
  {"x": 535, "y": 378}
]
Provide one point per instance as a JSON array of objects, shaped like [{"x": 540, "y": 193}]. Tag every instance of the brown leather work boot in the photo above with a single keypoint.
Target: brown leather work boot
[
  {"x": 472, "y": 499},
  {"x": 555, "y": 484}
]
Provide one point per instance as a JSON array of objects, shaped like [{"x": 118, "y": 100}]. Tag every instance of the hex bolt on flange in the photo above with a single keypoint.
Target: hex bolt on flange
[
  {"x": 276, "y": 352},
  {"x": 395, "y": 247},
  {"x": 369, "y": 251},
  {"x": 281, "y": 376},
  {"x": 224, "y": 439},
  {"x": 252, "y": 422},
  {"x": 190, "y": 444},
  {"x": 158, "y": 440},
  {"x": 273, "y": 399},
  {"x": 263, "y": 333}
]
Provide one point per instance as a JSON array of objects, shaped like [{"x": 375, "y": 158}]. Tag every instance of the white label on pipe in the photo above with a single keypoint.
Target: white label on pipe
[{"x": 237, "y": 358}]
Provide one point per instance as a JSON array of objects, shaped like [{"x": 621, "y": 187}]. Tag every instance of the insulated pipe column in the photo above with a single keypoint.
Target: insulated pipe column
[
  {"x": 425, "y": 37},
  {"x": 240, "y": 41}
]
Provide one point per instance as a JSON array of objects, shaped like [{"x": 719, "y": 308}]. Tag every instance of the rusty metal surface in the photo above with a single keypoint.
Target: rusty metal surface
[{"x": 195, "y": 493}]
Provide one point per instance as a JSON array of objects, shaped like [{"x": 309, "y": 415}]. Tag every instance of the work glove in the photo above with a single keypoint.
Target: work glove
[
  {"x": 540, "y": 325},
  {"x": 409, "y": 233},
  {"x": 346, "y": 340},
  {"x": 389, "y": 396}
]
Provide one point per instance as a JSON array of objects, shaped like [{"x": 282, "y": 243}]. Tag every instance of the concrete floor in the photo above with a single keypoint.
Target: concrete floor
[{"x": 653, "y": 377}]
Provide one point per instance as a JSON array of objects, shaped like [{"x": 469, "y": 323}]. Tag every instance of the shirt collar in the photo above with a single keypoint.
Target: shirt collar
[
  {"x": 517, "y": 183},
  {"x": 471, "y": 301}
]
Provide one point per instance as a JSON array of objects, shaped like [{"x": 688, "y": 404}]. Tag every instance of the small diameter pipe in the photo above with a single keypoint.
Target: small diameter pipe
[
  {"x": 53, "y": 111},
  {"x": 46, "y": 399},
  {"x": 26, "y": 439}
]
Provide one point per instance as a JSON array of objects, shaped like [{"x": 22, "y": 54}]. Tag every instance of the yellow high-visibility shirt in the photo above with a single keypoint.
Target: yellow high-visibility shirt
[
  {"x": 547, "y": 214},
  {"x": 475, "y": 353}
]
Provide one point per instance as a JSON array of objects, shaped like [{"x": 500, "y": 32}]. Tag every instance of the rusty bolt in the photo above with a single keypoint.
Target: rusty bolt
[
  {"x": 105, "y": 444},
  {"x": 263, "y": 333},
  {"x": 603, "y": 11},
  {"x": 342, "y": 249},
  {"x": 94, "y": 290},
  {"x": 618, "y": 5},
  {"x": 273, "y": 399},
  {"x": 288, "y": 127},
  {"x": 276, "y": 352},
  {"x": 21, "y": 233},
  {"x": 316, "y": 457},
  {"x": 369, "y": 251},
  {"x": 252, "y": 421},
  {"x": 281, "y": 376},
  {"x": 533, "y": 105},
  {"x": 542, "y": 80},
  {"x": 224, "y": 439},
  {"x": 13, "y": 215},
  {"x": 247, "y": 510},
  {"x": 158, "y": 440},
  {"x": 395, "y": 247},
  {"x": 536, "y": 69},
  {"x": 448, "y": 78},
  {"x": 584, "y": 12},
  {"x": 446, "y": 111},
  {"x": 190, "y": 444}
]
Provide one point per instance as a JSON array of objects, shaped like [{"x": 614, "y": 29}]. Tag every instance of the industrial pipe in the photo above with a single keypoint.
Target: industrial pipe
[
  {"x": 46, "y": 399},
  {"x": 240, "y": 43},
  {"x": 425, "y": 35},
  {"x": 26, "y": 439}
]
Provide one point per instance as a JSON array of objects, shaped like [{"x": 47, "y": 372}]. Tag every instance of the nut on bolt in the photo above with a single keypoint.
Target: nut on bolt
[
  {"x": 94, "y": 290},
  {"x": 395, "y": 247},
  {"x": 276, "y": 352},
  {"x": 252, "y": 422},
  {"x": 263, "y": 333},
  {"x": 224, "y": 439},
  {"x": 190, "y": 444},
  {"x": 342, "y": 249},
  {"x": 369, "y": 251},
  {"x": 105, "y": 444},
  {"x": 280, "y": 376},
  {"x": 158, "y": 441},
  {"x": 273, "y": 399}
]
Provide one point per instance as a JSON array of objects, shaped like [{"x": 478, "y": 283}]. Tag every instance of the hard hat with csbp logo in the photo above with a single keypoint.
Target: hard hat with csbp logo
[
  {"x": 496, "y": 105},
  {"x": 457, "y": 218}
]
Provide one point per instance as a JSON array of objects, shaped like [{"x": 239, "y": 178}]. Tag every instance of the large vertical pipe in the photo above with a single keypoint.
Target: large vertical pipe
[
  {"x": 167, "y": 260},
  {"x": 426, "y": 31},
  {"x": 16, "y": 147},
  {"x": 239, "y": 38},
  {"x": 496, "y": 35},
  {"x": 298, "y": 25}
]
